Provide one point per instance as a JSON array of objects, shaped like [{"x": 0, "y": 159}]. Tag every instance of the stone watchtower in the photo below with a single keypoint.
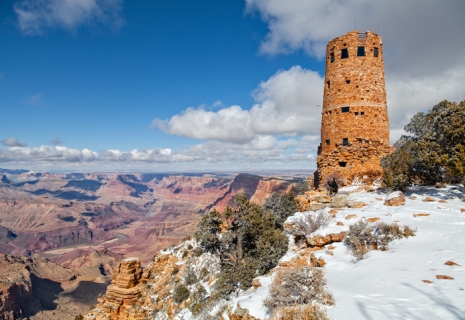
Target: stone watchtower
[{"x": 355, "y": 124}]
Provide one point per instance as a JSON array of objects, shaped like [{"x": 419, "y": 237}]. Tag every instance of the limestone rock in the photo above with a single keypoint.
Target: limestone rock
[
  {"x": 256, "y": 283},
  {"x": 429, "y": 199},
  {"x": 373, "y": 219},
  {"x": 396, "y": 198},
  {"x": 350, "y": 216},
  {"x": 320, "y": 241},
  {"x": 427, "y": 281},
  {"x": 357, "y": 204},
  {"x": 339, "y": 223},
  {"x": 339, "y": 201},
  {"x": 420, "y": 215},
  {"x": 444, "y": 277},
  {"x": 451, "y": 263}
]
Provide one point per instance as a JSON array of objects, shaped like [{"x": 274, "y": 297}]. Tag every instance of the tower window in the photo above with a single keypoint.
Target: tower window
[
  {"x": 347, "y": 81},
  {"x": 376, "y": 52},
  {"x": 328, "y": 142},
  {"x": 332, "y": 57},
  {"x": 356, "y": 113},
  {"x": 344, "y": 53},
  {"x": 345, "y": 109},
  {"x": 342, "y": 163},
  {"x": 345, "y": 141},
  {"x": 328, "y": 83},
  {"x": 361, "y": 113},
  {"x": 360, "y": 51}
]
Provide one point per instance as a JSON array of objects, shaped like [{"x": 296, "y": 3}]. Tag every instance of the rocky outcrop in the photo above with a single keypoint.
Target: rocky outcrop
[
  {"x": 23, "y": 282},
  {"x": 125, "y": 290},
  {"x": 315, "y": 200}
]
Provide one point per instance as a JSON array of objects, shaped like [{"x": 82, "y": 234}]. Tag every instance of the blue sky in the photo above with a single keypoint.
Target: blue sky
[{"x": 181, "y": 85}]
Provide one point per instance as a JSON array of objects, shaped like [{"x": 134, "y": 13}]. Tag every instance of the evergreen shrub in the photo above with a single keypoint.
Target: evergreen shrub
[{"x": 181, "y": 293}]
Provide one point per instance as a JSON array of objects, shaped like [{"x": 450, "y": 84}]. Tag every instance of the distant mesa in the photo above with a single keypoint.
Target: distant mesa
[{"x": 86, "y": 184}]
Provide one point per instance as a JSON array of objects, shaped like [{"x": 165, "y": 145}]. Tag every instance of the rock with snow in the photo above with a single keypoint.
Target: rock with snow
[{"x": 395, "y": 199}]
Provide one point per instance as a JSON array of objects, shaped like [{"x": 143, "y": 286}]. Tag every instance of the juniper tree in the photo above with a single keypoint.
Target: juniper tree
[
  {"x": 282, "y": 206},
  {"x": 434, "y": 150},
  {"x": 245, "y": 239}
]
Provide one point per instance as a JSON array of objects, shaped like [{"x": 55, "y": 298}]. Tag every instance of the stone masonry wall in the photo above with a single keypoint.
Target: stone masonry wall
[{"x": 355, "y": 123}]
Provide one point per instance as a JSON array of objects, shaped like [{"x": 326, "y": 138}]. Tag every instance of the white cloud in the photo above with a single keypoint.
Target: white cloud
[
  {"x": 13, "y": 142},
  {"x": 34, "y": 16},
  {"x": 287, "y": 105},
  {"x": 422, "y": 40},
  {"x": 262, "y": 150}
]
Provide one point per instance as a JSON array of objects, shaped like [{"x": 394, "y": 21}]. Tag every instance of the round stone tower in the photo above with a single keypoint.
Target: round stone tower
[{"x": 355, "y": 124}]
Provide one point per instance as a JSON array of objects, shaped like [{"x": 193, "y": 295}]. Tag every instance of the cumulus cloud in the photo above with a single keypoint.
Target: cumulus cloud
[
  {"x": 34, "y": 16},
  {"x": 13, "y": 142},
  {"x": 287, "y": 104},
  {"x": 421, "y": 39}
]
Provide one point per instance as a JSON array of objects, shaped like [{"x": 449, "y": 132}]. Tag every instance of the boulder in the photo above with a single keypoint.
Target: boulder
[
  {"x": 394, "y": 199},
  {"x": 339, "y": 201},
  {"x": 320, "y": 241}
]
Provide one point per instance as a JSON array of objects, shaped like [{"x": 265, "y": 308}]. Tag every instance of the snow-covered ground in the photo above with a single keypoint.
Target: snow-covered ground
[{"x": 388, "y": 284}]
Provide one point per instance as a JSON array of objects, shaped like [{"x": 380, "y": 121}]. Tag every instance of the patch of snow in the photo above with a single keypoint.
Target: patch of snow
[{"x": 388, "y": 284}]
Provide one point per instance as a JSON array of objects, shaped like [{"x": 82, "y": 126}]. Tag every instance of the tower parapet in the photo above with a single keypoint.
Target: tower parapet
[{"x": 355, "y": 123}]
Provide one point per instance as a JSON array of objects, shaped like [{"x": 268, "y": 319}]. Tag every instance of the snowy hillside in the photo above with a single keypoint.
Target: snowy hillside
[{"x": 390, "y": 284}]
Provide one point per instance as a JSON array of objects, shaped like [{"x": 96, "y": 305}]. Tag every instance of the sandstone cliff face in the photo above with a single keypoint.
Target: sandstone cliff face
[
  {"x": 22, "y": 283},
  {"x": 268, "y": 186}
]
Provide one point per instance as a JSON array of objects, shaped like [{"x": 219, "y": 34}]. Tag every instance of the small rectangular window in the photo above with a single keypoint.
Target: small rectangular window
[
  {"x": 376, "y": 52},
  {"x": 345, "y": 109},
  {"x": 345, "y": 141},
  {"x": 344, "y": 54},
  {"x": 342, "y": 163},
  {"x": 328, "y": 142},
  {"x": 328, "y": 83},
  {"x": 360, "y": 51},
  {"x": 366, "y": 141},
  {"x": 347, "y": 81},
  {"x": 332, "y": 57},
  {"x": 361, "y": 113},
  {"x": 356, "y": 113}
]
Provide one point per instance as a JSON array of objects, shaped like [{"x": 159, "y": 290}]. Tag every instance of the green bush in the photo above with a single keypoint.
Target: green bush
[
  {"x": 363, "y": 237},
  {"x": 198, "y": 300},
  {"x": 297, "y": 286},
  {"x": 181, "y": 293},
  {"x": 198, "y": 252},
  {"x": 79, "y": 317},
  {"x": 175, "y": 271},
  {"x": 190, "y": 277},
  {"x": 203, "y": 273}
]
